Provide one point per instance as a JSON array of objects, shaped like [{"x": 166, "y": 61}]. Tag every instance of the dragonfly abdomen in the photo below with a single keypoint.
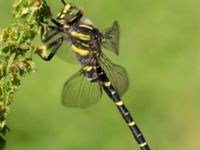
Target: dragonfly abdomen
[
  {"x": 114, "y": 95},
  {"x": 90, "y": 73}
]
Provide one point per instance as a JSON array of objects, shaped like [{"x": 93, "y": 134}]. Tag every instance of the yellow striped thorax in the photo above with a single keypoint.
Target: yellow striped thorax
[
  {"x": 80, "y": 36},
  {"x": 82, "y": 52},
  {"x": 86, "y": 45},
  {"x": 86, "y": 26}
]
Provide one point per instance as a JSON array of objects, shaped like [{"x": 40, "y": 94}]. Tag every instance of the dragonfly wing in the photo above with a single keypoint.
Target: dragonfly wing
[
  {"x": 117, "y": 75},
  {"x": 79, "y": 92},
  {"x": 66, "y": 54},
  {"x": 111, "y": 38}
]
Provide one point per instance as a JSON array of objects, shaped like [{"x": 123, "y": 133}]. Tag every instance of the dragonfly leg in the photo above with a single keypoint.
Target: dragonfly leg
[
  {"x": 45, "y": 37},
  {"x": 63, "y": 2},
  {"x": 56, "y": 22},
  {"x": 55, "y": 44}
]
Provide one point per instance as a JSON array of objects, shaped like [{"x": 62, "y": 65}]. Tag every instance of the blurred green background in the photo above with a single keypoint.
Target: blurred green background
[{"x": 160, "y": 48}]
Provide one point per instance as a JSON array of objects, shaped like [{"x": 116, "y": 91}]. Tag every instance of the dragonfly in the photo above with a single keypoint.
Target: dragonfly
[{"x": 98, "y": 73}]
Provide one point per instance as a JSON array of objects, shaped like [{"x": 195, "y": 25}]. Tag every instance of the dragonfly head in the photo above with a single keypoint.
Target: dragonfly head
[{"x": 70, "y": 14}]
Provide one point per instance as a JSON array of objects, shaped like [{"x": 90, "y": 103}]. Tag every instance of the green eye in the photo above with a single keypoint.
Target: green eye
[
  {"x": 73, "y": 11},
  {"x": 71, "y": 14}
]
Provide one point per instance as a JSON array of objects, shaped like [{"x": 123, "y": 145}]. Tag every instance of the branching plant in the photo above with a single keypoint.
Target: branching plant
[{"x": 16, "y": 51}]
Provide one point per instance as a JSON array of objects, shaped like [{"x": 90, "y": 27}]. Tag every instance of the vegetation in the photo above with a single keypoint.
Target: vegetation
[
  {"x": 16, "y": 51},
  {"x": 159, "y": 47}
]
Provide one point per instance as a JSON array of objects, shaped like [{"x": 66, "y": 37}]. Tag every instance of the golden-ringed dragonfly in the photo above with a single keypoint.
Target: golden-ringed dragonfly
[{"x": 97, "y": 72}]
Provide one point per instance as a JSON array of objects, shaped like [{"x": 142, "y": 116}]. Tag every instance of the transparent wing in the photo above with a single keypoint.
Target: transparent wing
[
  {"x": 66, "y": 54},
  {"x": 117, "y": 74},
  {"x": 111, "y": 38},
  {"x": 79, "y": 92},
  {"x": 64, "y": 51}
]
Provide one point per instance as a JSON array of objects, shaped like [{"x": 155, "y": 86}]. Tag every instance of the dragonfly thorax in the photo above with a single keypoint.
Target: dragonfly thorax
[{"x": 85, "y": 41}]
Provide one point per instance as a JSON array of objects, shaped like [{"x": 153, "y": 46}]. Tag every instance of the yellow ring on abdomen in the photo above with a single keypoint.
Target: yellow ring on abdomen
[
  {"x": 143, "y": 144},
  {"x": 107, "y": 83},
  {"x": 87, "y": 68},
  {"x": 120, "y": 103}
]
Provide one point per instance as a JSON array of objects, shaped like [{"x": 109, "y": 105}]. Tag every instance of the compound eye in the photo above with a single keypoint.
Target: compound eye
[
  {"x": 71, "y": 14},
  {"x": 73, "y": 11}
]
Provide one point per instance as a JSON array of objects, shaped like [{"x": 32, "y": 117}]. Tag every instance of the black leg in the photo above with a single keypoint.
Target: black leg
[
  {"x": 56, "y": 22},
  {"x": 52, "y": 32},
  {"x": 55, "y": 44},
  {"x": 63, "y": 2}
]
